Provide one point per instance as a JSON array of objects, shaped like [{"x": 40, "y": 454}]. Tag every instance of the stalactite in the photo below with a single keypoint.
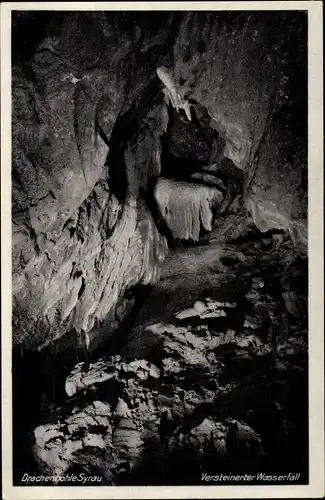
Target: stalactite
[
  {"x": 154, "y": 246},
  {"x": 185, "y": 207},
  {"x": 173, "y": 92}
]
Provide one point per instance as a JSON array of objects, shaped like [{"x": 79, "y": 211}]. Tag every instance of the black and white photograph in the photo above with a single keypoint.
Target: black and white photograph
[{"x": 162, "y": 308}]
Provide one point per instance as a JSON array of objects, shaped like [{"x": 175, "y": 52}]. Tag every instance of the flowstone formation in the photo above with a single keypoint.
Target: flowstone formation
[{"x": 160, "y": 267}]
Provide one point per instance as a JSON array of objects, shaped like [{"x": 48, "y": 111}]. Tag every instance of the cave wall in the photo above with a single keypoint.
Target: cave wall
[
  {"x": 84, "y": 85},
  {"x": 249, "y": 71},
  {"x": 76, "y": 246}
]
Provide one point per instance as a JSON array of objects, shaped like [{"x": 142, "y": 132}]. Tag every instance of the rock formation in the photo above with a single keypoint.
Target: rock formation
[
  {"x": 199, "y": 385},
  {"x": 159, "y": 225},
  {"x": 70, "y": 93},
  {"x": 186, "y": 207}
]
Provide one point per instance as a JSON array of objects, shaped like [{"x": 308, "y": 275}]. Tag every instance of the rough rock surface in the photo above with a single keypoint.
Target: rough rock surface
[
  {"x": 216, "y": 387},
  {"x": 67, "y": 96},
  {"x": 187, "y": 140},
  {"x": 76, "y": 280},
  {"x": 77, "y": 242}
]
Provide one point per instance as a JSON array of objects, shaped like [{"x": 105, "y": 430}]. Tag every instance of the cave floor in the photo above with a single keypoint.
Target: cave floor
[{"x": 211, "y": 378}]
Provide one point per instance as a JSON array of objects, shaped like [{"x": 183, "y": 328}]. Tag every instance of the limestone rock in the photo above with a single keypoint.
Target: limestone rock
[
  {"x": 56, "y": 444},
  {"x": 296, "y": 303}
]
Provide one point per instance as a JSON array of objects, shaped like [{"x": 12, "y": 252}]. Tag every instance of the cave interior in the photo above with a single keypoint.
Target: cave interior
[{"x": 160, "y": 264}]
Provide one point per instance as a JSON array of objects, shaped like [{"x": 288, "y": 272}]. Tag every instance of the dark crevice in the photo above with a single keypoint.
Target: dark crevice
[
  {"x": 33, "y": 237},
  {"x": 67, "y": 222}
]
